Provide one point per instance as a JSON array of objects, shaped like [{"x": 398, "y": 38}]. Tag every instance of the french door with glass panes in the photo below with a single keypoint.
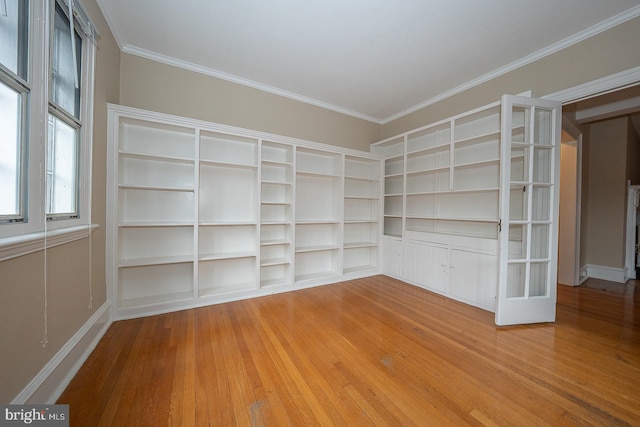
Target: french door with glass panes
[{"x": 528, "y": 210}]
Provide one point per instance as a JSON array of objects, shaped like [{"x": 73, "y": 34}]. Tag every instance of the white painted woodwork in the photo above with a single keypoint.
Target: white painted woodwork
[
  {"x": 287, "y": 48},
  {"x": 568, "y": 252},
  {"x": 442, "y": 216},
  {"x": 530, "y": 185},
  {"x": 201, "y": 213},
  {"x": 392, "y": 259}
]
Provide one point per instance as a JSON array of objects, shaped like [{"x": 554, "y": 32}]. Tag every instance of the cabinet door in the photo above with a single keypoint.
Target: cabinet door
[
  {"x": 392, "y": 257},
  {"x": 473, "y": 278},
  {"x": 427, "y": 265},
  {"x": 529, "y": 210}
]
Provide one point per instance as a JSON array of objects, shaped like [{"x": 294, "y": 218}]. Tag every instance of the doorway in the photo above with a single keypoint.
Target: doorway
[
  {"x": 569, "y": 211},
  {"x": 632, "y": 264}
]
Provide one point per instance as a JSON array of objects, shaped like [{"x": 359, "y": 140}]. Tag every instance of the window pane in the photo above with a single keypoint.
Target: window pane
[
  {"x": 9, "y": 152},
  {"x": 13, "y": 35},
  {"x": 64, "y": 74},
  {"x": 62, "y": 173}
]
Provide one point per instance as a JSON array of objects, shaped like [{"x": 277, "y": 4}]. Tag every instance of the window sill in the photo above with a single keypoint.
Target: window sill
[{"x": 15, "y": 246}]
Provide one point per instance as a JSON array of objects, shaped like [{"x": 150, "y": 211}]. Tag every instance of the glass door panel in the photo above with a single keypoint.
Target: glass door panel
[{"x": 529, "y": 207}]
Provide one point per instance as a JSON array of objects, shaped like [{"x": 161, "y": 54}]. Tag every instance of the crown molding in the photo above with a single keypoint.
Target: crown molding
[
  {"x": 111, "y": 23},
  {"x": 617, "y": 81},
  {"x": 133, "y": 50},
  {"x": 563, "y": 44}
]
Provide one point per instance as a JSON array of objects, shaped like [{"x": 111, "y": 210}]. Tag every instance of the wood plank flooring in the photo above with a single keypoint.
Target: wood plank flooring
[{"x": 373, "y": 351}]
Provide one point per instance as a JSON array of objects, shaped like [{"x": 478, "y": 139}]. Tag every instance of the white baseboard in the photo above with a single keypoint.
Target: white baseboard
[
  {"x": 606, "y": 273},
  {"x": 48, "y": 385}
]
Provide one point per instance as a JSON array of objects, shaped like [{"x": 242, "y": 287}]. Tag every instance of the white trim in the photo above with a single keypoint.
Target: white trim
[
  {"x": 633, "y": 192},
  {"x": 51, "y": 381},
  {"x": 601, "y": 112},
  {"x": 147, "y": 115},
  {"x": 616, "y": 81},
  {"x": 111, "y": 23},
  {"x": 15, "y": 246},
  {"x": 143, "y": 53},
  {"x": 584, "y": 274},
  {"x": 563, "y": 44},
  {"x": 610, "y": 274}
]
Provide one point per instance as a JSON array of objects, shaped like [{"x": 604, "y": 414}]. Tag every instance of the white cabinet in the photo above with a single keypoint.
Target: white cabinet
[
  {"x": 441, "y": 197},
  {"x": 392, "y": 264},
  {"x": 200, "y": 213},
  {"x": 473, "y": 277},
  {"x": 460, "y": 267},
  {"x": 427, "y": 265}
]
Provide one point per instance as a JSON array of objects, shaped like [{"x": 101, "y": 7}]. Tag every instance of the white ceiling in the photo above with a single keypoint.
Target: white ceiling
[{"x": 374, "y": 59}]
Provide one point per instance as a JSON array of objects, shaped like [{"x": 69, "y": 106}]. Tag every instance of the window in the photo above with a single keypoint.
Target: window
[
  {"x": 46, "y": 109},
  {"x": 64, "y": 119},
  {"x": 14, "y": 92}
]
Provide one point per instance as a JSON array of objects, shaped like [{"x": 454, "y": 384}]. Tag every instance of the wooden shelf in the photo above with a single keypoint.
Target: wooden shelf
[
  {"x": 319, "y": 248},
  {"x": 440, "y": 147},
  {"x": 139, "y": 262},
  {"x": 219, "y": 164},
  {"x": 468, "y": 219},
  {"x": 155, "y": 188},
  {"x": 156, "y": 299},
  {"x": 226, "y": 255},
  {"x": 478, "y": 139},
  {"x": 276, "y": 163},
  {"x": 274, "y": 242},
  {"x": 155, "y": 157},
  {"x": 318, "y": 275},
  {"x": 352, "y": 245},
  {"x": 274, "y": 261}
]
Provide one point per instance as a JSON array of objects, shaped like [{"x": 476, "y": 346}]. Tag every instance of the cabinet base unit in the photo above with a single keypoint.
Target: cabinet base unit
[
  {"x": 201, "y": 213},
  {"x": 459, "y": 267},
  {"x": 442, "y": 206}
]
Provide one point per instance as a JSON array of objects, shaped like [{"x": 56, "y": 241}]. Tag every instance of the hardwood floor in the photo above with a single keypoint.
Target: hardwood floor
[{"x": 372, "y": 351}]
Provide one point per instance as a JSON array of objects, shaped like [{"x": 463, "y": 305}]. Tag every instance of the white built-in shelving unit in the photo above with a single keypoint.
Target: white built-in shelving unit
[
  {"x": 201, "y": 213},
  {"x": 361, "y": 214},
  {"x": 441, "y": 204}
]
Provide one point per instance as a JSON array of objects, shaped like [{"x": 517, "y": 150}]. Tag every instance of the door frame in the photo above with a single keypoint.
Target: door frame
[
  {"x": 572, "y": 130},
  {"x": 633, "y": 194}
]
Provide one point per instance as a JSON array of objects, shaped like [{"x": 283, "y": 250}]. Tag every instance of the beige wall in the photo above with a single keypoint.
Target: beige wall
[
  {"x": 607, "y": 192},
  {"x": 155, "y": 86},
  {"x": 134, "y": 81},
  {"x": 604, "y": 54},
  {"x": 70, "y": 268},
  {"x": 584, "y": 196},
  {"x": 633, "y": 154}
]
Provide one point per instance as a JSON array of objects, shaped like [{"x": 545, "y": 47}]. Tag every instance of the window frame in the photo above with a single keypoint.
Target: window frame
[
  {"x": 19, "y": 81},
  {"x": 35, "y": 232}
]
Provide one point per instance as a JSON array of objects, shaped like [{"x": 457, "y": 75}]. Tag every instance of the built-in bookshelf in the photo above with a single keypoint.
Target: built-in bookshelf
[
  {"x": 276, "y": 215},
  {"x": 441, "y": 205},
  {"x": 318, "y": 214},
  {"x": 201, "y": 213},
  {"x": 361, "y": 214}
]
